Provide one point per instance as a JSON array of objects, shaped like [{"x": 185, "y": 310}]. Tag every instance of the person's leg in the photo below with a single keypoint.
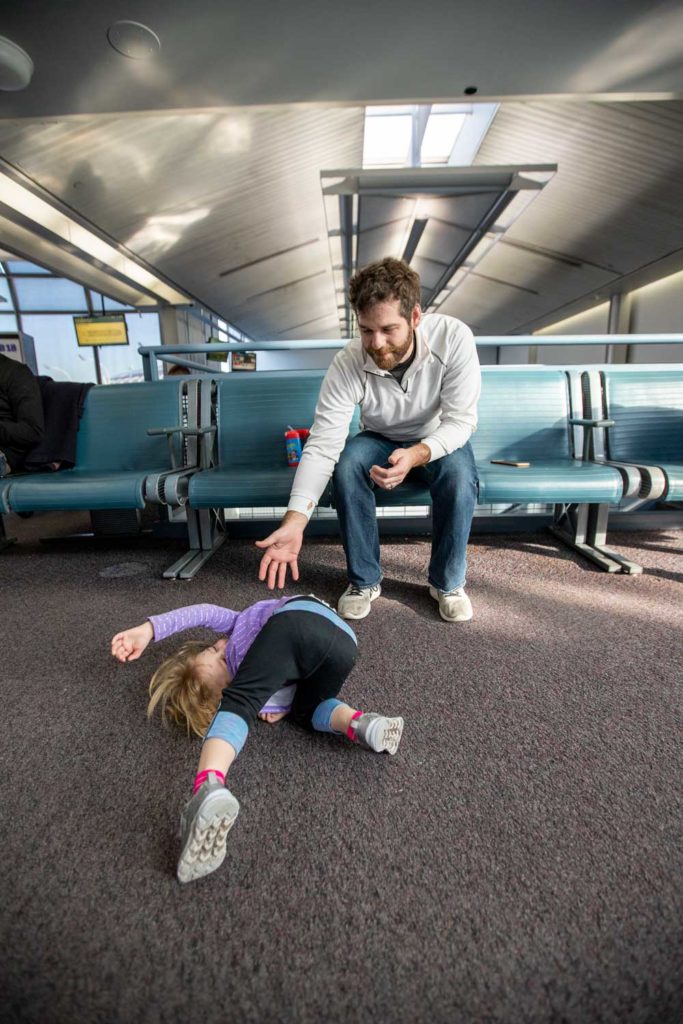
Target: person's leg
[
  {"x": 211, "y": 812},
  {"x": 316, "y": 705},
  {"x": 209, "y": 815},
  {"x": 338, "y": 649},
  {"x": 453, "y": 484},
  {"x": 354, "y": 500},
  {"x": 370, "y": 730}
]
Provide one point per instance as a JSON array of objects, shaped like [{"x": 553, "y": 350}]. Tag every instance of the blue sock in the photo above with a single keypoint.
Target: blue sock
[
  {"x": 229, "y": 727},
  {"x": 322, "y": 715}
]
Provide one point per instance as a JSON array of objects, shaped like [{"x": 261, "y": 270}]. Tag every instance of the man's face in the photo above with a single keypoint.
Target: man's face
[{"x": 387, "y": 336}]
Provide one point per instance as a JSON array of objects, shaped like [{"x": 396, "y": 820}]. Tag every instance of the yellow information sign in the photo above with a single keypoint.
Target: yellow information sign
[{"x": 101, "y": 330}]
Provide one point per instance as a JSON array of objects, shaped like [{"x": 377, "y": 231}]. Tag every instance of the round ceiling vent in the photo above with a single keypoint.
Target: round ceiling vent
[
  {"x": 16, "y": 67},
  {"x": 133, "y": 40}
]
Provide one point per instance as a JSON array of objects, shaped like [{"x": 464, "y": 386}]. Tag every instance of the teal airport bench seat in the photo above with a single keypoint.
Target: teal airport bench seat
[
  {"x": 645, "y": 407},
  {"x": 247, "y": 466},
  {"x": 119, "y": 465},
  {"x": 523, "y": 416}
]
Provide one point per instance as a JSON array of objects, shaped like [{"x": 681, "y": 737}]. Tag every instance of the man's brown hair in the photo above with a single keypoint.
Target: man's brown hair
[{"x": 385, "y": 281}]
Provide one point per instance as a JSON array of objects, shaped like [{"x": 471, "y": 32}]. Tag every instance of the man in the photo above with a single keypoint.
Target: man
[
  {"x": 417, "y": 382},
  {"x": 21, "y": 414}
]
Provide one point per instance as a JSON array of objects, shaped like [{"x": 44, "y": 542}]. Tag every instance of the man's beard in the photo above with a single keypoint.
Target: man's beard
[{"x": 388, "y": 359}]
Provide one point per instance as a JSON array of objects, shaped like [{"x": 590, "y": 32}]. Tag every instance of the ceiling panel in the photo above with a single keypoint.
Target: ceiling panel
[
  {"x": 615, "y": 204},
  {"x": 201, "y": 194},
  {"x": 227, "y": 204},
  {"x": 225, "y": 55}
]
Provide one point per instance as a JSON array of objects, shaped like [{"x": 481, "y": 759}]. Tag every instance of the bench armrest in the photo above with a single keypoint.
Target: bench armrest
[
  {"x": 206, "y": 434},
  {"x": 591, "y": 423},
  {"x": 576, "y": 421},
  {"x": 185, "y": 431}
]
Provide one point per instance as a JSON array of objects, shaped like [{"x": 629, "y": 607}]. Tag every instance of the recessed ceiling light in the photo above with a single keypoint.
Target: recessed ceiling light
[
  {"x": 16, "y": 67},
  {"x": 134, "y": 40}
]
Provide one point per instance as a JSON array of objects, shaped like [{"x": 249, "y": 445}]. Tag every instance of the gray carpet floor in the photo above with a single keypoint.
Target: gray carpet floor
[{"x": 519, "y": 859}]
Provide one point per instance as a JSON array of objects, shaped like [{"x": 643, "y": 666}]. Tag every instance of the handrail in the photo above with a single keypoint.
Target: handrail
[{"x": 169, "y": 353}]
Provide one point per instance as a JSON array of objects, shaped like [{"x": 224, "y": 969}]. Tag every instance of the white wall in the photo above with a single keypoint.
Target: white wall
[
  {"x": 592, "y": 321},
  {"x": 306, "y": 359},
  {"x": 181, "y": 327},
  {"x": 658, "y": 309}
]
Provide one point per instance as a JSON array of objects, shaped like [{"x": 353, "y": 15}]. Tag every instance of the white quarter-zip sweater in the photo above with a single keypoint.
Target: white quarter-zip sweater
[{"x": 435, "y": 403}]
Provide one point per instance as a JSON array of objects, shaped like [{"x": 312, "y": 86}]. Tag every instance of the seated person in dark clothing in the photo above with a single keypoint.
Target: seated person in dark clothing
[{"x": 21, "y": 414}]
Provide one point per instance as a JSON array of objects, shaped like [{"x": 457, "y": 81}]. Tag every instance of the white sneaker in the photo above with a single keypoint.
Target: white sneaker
[
  {"x": 378, "y": 733},
  {"x": 454, "y": 606},
  {"x": 355, "y": 601}
]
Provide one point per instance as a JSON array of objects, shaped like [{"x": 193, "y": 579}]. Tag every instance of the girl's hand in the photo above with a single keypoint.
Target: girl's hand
[{"x": 129, "y": 645}]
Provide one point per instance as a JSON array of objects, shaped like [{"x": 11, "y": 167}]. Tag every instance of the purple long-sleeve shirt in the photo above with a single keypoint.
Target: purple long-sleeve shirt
[{"x": 243, "y": 627}]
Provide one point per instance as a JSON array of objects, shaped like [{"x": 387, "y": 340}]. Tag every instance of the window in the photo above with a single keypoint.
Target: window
[
  {"x": 388, "y": 136},
  {"x": 122, "y": 363},
  {"x": 443, "y": 128},
  {"x": 49, "y": 293},
  {"x": 8, "y": 321},
  {"x": 57, "y": 354},
  {"x": 425, "y": 135}
]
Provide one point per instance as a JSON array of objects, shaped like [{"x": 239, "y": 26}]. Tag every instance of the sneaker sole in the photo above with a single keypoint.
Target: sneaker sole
[
  {"x": 390, "y": 736},
  {"x": 448, "y": 618},
  {"x": 204, "y": 849},
  {"x": 363, "y": 615}
]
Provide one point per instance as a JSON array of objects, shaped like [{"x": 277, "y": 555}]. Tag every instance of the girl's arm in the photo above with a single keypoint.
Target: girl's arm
[
  {"x": 212, "y": 616},
  {"x": 130, "y": 643}
]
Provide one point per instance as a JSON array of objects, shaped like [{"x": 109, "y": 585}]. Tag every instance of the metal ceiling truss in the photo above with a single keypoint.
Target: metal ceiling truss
[{"x": 495, "y": 197}]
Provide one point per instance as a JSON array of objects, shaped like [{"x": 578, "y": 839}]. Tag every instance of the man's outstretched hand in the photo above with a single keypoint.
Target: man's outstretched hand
[{"x": 281, "y": 549}]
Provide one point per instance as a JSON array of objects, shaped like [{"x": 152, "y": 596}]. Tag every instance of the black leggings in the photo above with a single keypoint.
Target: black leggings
[{"x": 303, "y": 647}]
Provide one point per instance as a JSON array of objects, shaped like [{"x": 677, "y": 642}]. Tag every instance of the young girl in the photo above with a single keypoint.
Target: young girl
[{"x": 218, "y": 691}]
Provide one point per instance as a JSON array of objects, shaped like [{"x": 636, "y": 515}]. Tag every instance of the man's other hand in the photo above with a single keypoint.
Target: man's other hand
[
  {"x": 282, "y": 549},
  {"x": 401, "y": 461}
]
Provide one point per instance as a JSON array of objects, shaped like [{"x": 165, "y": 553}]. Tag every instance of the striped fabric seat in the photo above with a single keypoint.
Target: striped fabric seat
[
  {"x": 647, "y": 408},
  {"x": 252, "y": 413},
  {"x": 523, "y": 415},
  {"x": 114, "y": 454}
]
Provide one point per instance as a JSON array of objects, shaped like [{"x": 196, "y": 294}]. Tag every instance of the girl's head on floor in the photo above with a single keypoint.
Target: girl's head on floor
[{"x": 188, "y": 685}]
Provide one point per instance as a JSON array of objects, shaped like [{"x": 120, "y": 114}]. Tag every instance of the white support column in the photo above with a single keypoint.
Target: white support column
[
  {"x": 619, "y": 322},
  {"x": 182, "y": 327}
]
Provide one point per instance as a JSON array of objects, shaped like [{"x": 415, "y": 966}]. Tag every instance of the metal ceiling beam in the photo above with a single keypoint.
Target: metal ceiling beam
[
  {"x": 416, "y": 233},
  {"x": 486, "y": 222},
  {"x": 504, "y": 182}
]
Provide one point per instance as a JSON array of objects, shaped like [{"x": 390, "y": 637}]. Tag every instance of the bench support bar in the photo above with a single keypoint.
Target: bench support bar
[
  {"x": 583, "y": 527},
  {"x": 206, "y": 533}
]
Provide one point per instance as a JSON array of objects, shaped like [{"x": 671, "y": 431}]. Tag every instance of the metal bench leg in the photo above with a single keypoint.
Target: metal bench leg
[
  {"x": 571, "y": 526},
  {"x": 206, "y": 533},
  {"x": 597, "y": 537},
  {"x": 5, "y": 541}
]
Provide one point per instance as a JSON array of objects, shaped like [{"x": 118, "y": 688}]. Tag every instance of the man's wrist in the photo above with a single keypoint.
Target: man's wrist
[
  {"x": 292, "y": 518},
  {"x": 420, "y": 454}
]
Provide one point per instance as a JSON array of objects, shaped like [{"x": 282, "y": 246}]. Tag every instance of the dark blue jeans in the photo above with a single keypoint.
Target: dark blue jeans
[{"x": 452, "y": 482}]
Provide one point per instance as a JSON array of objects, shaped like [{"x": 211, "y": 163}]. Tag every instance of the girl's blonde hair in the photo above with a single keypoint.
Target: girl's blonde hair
[{"x": 182, "y": 696}]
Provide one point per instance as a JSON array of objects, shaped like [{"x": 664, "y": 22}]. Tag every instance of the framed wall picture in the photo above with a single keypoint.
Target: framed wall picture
[{"x": 243, "y": 360}]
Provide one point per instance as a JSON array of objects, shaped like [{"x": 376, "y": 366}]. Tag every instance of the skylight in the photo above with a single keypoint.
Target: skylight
[
  {"x": 388, "y": 137},
  {"x": 443, "y": 128},
  {"x": 428, "y": 135}
]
